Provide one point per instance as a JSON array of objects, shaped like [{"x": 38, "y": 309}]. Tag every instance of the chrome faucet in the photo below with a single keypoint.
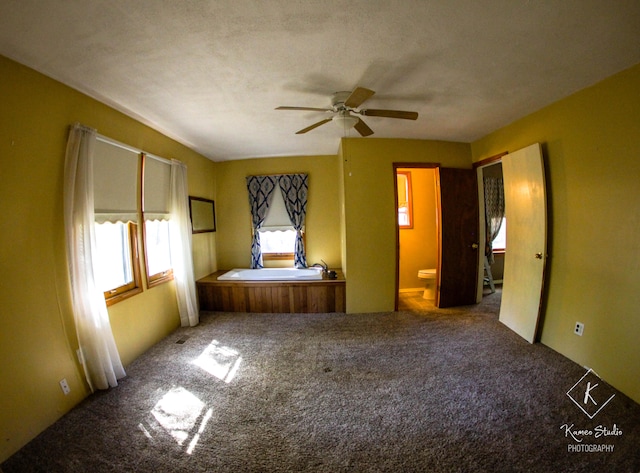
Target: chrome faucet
[
  {"x": 328, "y": 274},
  {"x": 322, "y": 265}
]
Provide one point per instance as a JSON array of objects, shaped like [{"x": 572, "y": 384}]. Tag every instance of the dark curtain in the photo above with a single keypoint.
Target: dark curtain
[
  {"x": 260, "y": 195},
  {"x": 294, "y": 189},
  {"x": 494, "y": 211}
]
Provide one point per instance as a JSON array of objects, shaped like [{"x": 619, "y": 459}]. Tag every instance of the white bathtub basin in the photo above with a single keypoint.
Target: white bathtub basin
[{"x": 271, "y": 274}]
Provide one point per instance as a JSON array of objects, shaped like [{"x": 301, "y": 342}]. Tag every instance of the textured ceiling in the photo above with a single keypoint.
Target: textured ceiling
[{"x": 210, "y": 73}]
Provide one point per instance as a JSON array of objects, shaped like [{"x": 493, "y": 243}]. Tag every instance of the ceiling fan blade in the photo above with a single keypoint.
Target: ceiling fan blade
[
  {"x": 371, "y": 112},
  {"x": 362, "y": 128},
  {"x": 315, "y": 125},
  {"x": 305, "y": 108},
  {"x": 357, "y": 97}
]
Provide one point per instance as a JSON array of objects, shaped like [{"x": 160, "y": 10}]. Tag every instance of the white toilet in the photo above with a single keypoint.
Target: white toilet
[{"x": 429, "y": 277}]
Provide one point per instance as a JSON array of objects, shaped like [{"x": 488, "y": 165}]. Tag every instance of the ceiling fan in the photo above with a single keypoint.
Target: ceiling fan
[{"x": 345, "y": 104}]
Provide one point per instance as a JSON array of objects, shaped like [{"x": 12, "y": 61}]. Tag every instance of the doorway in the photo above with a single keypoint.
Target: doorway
[
  {"x": 526, "y": 237},
  {"x": 417, "y": 237},
  {"x": 490, "y": 180},
  {"x": 454, "y": 277}
]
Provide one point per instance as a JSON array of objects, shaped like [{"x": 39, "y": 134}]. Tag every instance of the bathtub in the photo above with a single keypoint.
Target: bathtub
[
  {"x": 284, "y": 290},
  {"x": 272, "y": 274}
]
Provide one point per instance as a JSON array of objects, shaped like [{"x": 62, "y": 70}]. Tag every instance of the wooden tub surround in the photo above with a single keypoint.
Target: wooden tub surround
[{"x": 325, "y": 295}]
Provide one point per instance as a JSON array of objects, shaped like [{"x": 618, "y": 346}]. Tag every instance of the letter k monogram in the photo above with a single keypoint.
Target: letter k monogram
[{"x": 587, "y": 393}]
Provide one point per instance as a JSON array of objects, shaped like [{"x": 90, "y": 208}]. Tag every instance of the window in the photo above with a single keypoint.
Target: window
[
  {"x": 118, "y": 274},
  {"x": 113, "y": 255},
  {"x": 277, "y": 235},
  {"x": 404, "y": 217},
  {"x": 277, "y": 244},
  {"x": 500, "y": 241},
  {"x": 156, "y": 184},
  {"x": 117, "y": 268},
  {"x": 157, "y": 251},
  {"x": 123, "y": 177},
  {"x": 405, "y": 209}
]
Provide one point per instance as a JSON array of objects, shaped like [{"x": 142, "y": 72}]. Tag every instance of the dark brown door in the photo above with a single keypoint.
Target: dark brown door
[{"x": 457, "y": 237}]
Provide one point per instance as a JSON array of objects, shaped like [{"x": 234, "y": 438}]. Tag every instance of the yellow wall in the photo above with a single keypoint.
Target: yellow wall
[
  {"x": 370, "y": 236},
  {"x": 591, "y": 143},
  {"x": 419, "y": 245},
  {"x": 37, "y": 339},
  {"x": 323, "y": 209}
]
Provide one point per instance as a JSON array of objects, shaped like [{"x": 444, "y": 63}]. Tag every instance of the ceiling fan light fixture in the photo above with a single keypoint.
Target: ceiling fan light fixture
[
  {"x": 345, "y": 120},
  {"x": 343, "y": 104}
]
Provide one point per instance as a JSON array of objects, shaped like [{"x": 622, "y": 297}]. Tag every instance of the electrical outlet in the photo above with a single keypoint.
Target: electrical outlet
[
  {"x": 64, "y": 386},
  {"x": 579, "y": 328}
]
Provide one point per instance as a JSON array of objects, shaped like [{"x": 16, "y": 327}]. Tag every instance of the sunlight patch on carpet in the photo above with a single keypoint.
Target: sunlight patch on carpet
[
  {"x": 220, "y": 361},
  {"x": 180, "y": 414}
]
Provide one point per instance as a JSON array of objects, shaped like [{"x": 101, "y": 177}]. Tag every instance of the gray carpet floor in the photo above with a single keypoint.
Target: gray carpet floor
[{"x": 435, "y": 391}]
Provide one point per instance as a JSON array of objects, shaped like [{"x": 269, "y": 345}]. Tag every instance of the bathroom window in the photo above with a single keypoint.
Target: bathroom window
[
  {"x": 277, "y": 244},
  {"x": 277, "y": 235},
  {"x": 405, "y": 209}
]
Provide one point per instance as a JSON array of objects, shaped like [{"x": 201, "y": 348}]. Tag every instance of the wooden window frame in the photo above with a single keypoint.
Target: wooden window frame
[
  {"x": 277, "y": 256},
  {"x": 158, "y": 278},
  {"x": 125, "y": 291},
  {"x": 161, "y": 277},
  {"x": 407, "y": 175},
  {"x": 283, "y": 256}
]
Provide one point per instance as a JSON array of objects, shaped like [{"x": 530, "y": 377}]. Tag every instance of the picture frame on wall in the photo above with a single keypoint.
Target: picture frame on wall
[{"x": 203, "y": 215}]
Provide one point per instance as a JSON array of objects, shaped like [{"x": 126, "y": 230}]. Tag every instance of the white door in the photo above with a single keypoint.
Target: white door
[{"x": 526, "y": 253}]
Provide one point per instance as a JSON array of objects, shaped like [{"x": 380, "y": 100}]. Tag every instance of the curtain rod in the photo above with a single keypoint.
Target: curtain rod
[
  {"x": 276, "y": 175},
  {"x": 113, "y": 142}
]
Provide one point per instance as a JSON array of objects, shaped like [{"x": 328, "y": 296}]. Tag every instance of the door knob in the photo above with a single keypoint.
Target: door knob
[
  {"x": 538, "y": 255},
  {"x": 475, "y": 246}
]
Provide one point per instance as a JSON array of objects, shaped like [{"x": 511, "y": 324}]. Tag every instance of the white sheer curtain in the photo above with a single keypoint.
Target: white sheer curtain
[
  {"x": 180, "y": 237},
  {"x": 100, "y": 358}
]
